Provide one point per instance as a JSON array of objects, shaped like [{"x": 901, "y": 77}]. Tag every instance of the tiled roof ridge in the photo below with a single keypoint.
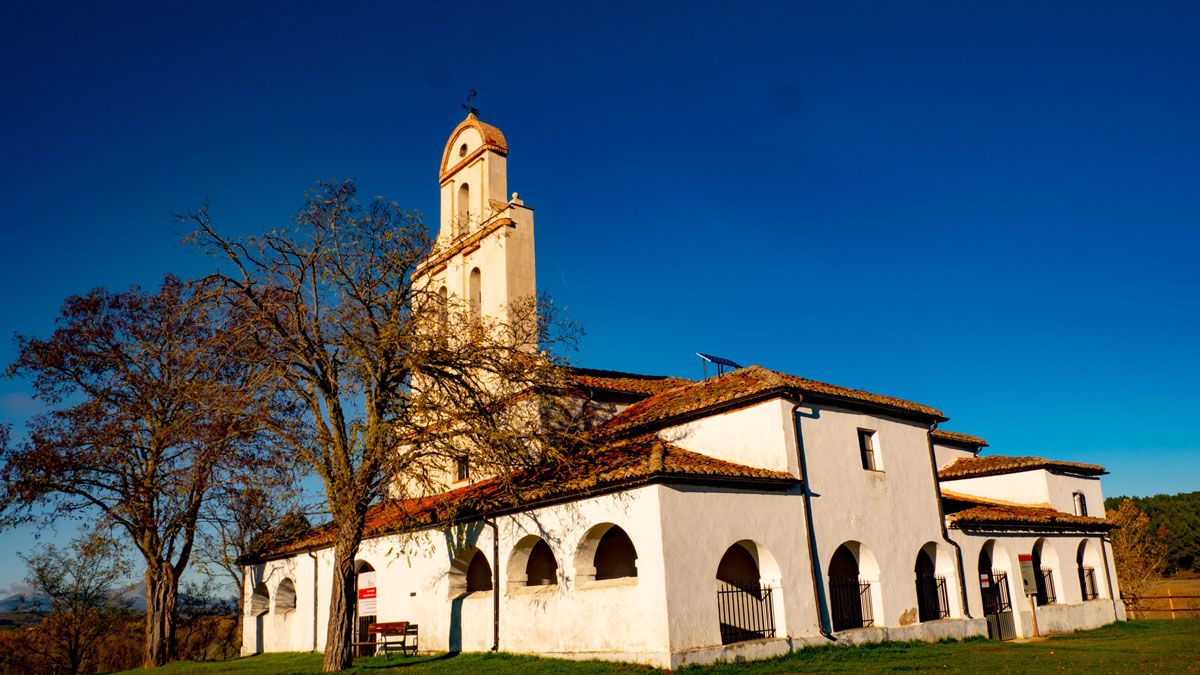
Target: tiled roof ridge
[
  {"x": 741, "y": 386},
  {"x": 628, "y": 462},
  {"x": 958, "y": 437},
  {"x": 986, "y": 501},
  {"x": 978, "y": 467},
  {"x": 999, "y": 516}
]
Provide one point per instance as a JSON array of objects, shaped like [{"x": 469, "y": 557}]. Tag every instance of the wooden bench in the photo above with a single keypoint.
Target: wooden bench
[{"x": 392, "y": 635}]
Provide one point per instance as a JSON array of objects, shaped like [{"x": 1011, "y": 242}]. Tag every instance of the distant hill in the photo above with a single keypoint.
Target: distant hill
[{"x": 1179, "y": 517}]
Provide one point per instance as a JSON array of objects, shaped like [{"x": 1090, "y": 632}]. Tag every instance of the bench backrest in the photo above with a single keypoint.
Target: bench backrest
[{"x": 391, "y": 628}]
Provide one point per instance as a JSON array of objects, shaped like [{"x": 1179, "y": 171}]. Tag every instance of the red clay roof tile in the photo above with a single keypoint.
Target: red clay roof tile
[
  {"x": 977, "y": 467},
  {"x": 745, "y": 384}
]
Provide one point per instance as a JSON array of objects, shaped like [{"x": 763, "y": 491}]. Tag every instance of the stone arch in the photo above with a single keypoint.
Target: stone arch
[
  {"x": 532, "y": 563},
  {"x": 933, "y": 573},
  {"x": 1089, "y": 561},
  {"x": 260, "y": 600},
  {"x": 464, "y": 209},
  {"x": 856, "y": 597},
  {"x": 470, "y": 572},
  {"x": 1047, "y": 572},
  {"x": 749, "y": 593},
  {"x": 285, "y": 596},
  {"x": 475, "y": 297},
  {"x": 605, "y": 552}
]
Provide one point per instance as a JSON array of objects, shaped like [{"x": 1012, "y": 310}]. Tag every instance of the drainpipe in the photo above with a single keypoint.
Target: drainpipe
[
  {"x": 808, "y": 521},
  {"x": 1108, "y": 577},
  {"x": 314, "y": 559},
  {"x": 937, "y": 485},
  {"x": 495, "y": 584}
]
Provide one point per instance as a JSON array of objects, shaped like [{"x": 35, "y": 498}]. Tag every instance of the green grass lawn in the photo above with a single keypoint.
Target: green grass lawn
[{"x": 1136, "y": 646}]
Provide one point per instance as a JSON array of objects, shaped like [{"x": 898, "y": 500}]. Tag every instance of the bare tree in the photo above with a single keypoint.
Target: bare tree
[
  {"x": 243, "y": 516},
  {"x": 149, "y": 410},
  {"x": 80, "y": 584},
  {"x": 396, "y": 381},
  {"x": 1139, "y": 552}
]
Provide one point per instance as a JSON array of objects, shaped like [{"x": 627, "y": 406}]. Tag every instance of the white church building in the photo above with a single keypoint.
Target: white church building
[{"x": 741, "y": 516}]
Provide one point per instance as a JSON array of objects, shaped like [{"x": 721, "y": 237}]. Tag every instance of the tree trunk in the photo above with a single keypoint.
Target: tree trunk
[
  {"x": 162, "y": 590},
  {"x": 339, "y": 653}
]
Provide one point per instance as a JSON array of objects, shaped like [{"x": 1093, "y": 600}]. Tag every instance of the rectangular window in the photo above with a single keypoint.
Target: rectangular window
[
  {"x": 462, "y": 468},
  {"x": 866, "y": 448}
]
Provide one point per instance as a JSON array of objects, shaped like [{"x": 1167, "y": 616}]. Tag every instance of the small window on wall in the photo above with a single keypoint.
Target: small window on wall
[
  {"x": 1080, "y": 504},
  {"x": 868, "y": 451},
  {"x": 462, "y": 468}
]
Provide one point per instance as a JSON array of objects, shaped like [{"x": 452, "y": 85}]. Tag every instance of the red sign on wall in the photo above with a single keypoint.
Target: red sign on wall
[{"x": 366, "y": 593}]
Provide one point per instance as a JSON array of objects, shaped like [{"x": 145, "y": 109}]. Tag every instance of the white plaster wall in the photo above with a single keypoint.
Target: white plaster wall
[
  {"x": 412, "y": 575},
  {"x": 1070, "y": 612},
  {"x": 947, "y": 454},
  {"x": 758, "y": 436},
  {"x": 700, "y": 524},
  {"x": 1022, "y": 487},
  {"x": 1062, "y": 489},
  {"x": 893, "y": 512}
]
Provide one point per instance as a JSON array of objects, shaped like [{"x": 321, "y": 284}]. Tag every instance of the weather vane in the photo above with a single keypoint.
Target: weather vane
[{"x": 467, "y": 105}]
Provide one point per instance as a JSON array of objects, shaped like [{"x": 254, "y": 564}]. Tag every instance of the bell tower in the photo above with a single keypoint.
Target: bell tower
[{"x": 483, "y": 254}]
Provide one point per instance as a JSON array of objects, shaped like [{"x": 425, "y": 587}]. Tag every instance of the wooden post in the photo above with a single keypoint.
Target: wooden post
[
  {"x": 1171, "y": 601},
  {"x": 1033, "y": 615}
]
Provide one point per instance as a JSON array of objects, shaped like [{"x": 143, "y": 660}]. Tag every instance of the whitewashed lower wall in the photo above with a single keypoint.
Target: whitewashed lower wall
[
  {"x": 667, "y": 616},
  {"x": 1070, "y": 612}
]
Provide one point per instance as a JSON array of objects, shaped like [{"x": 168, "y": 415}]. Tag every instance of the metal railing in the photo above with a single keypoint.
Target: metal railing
[
  {"x": 745, "y": 611},
  {"x": 850, "y": 604},
  {"x": 1087, "y": 583},
  {"x": 1046, "y": 595},
  {"x": 932, "y": 602}
]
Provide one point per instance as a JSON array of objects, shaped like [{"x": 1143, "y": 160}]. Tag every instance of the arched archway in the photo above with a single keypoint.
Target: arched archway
[
  {"x": 1089, "y": 562},
  {"x": 366, "y": 606},
  {"x": 748, "y": 602},
  {"x": 605, "y": 552},
  {"x": 933, "y": 602},
  {"x": 470, "y": 572},
  {"x": 285, "y": 596},
  {"x": 994, "y": 564},
  {"x": 1046, "y": 572},
  {"x": 475, "y": 297},
  {"x": 532, "y": 563},
  {"x": 464, "y": 210},
  {"x": 259, "y": 605},
  {"x": 853, "y": 577}
]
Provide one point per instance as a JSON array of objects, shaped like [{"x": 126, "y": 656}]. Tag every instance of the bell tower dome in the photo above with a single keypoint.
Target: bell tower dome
[{"x": 483, "y": 254}]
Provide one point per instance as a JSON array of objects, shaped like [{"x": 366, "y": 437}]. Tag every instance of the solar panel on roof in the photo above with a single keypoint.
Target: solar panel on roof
[{"x": 719, "y": 360}]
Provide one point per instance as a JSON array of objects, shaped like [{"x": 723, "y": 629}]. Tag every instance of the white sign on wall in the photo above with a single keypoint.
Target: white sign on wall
[{"x": 366, "y": 594}]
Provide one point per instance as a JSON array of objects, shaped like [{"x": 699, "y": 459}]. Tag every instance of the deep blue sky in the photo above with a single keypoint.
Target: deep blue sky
[{"x": 990, "y": 209}]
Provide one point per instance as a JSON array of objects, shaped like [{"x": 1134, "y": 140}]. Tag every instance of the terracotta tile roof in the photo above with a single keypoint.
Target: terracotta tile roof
[
  {"x": 746, "y": 385},
  {"x": 625, "y": 464},
  {"x": 977, "y": 467},
  {"x": 628, "y": 383},
  {"x": 952, "y": 496},
  {"x": 956, "y": 438},
  {"x": 999, "y": 516}
]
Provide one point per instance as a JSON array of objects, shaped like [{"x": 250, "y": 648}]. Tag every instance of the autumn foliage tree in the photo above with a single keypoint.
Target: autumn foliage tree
[
  {"x": 148, "y": 410},
  {"x": 396, "y": 381},
  {"x": 81, "y": 586},
  {"x": 1139, "y": 551}
]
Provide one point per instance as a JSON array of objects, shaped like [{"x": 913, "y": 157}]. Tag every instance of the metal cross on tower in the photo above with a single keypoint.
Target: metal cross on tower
[{"x": 467, "y": 105}]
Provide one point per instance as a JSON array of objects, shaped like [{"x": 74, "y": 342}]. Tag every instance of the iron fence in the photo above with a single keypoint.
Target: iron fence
[
  {"x": 932, "y": 602},
  {"x": 745, "y": 611},
  {"x": 850, "y": 604},
  {"x": 1087, "y": 583}
]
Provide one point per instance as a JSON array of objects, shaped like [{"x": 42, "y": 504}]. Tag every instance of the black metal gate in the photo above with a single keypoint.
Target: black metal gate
[
  {"x": 932, "y": 602},
  {"x": 850, "y": 603},
  {"x": 745, "y": 611},
  {"x": 998, "y": 608}
]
